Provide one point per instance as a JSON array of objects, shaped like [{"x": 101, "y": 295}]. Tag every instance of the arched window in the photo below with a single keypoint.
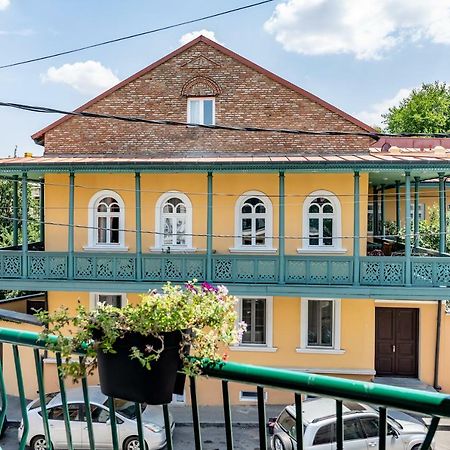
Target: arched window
[
  {"x": 174, "y": 221},
  {"x": 106, "y": 220},
  {"x": 253, "y": 222},
  {"x": 322, "y": 221}
]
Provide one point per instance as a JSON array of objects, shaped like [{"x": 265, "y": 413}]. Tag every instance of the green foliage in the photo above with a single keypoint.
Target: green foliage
[
  {"x": 207, "y": 312},
  {"x": 390, "y": 229},
  {"x": 425, "y": 110}
]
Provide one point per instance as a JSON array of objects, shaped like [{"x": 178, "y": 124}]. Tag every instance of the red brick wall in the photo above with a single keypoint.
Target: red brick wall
[{"x": 246, "y": 97}]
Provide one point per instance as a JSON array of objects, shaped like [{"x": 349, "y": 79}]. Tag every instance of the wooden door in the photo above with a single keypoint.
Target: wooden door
[{"x": 396, "y": 341}]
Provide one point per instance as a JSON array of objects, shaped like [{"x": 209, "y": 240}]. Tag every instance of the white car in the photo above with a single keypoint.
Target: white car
[
  {"x": 360, "y": 428},
  {"x": 152, "y": 421}
]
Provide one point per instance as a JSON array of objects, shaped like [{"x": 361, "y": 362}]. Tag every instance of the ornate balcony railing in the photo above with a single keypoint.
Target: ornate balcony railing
[
  {"x": 419, "y": 402},
  {"x": 230, "y": 269}
]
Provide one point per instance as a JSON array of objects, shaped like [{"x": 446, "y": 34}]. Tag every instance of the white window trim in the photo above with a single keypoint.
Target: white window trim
[
  {"x": 92, "y": 224},
  {"x": 336, "y": 347},
  {"x": 238, "y": 247},
  {"x": 337, "y": 225},
  {"x": 201, "y": 110},
  {"x": 268, "y": 346},
  {"x": 93, "y": 298},
  {"x": 159, "y": 236},
  {"x": 252, "y": 400}
]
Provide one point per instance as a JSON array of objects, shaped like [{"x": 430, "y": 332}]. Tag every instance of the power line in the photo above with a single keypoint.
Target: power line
[
  {"x": 92, "y": 115},
  {"x": 143, "y": 33},
  {"x": 205, "y": 235}
]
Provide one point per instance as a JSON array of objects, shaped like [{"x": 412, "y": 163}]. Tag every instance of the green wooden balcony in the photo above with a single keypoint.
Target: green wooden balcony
[
  {"x": 423, "y": 403},
  {"x": 377, "y": 275}
]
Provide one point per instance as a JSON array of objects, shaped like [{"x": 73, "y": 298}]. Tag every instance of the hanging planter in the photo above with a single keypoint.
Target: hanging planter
[{"x": 141, "y": 349}]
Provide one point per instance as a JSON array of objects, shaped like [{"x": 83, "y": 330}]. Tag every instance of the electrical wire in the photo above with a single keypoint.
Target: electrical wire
[
  {"x": 205, "y": 235},
  {"x": 135, "y": 35}
]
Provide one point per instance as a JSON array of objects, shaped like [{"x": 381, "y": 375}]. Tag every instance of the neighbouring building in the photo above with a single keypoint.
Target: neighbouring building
[{"x": 281, "y": 219}]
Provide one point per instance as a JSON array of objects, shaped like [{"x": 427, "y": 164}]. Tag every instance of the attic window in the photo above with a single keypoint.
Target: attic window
[{"x": 201, "y": 110}]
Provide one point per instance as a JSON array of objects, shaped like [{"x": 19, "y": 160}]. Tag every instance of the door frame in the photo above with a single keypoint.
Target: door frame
[{"x": 417, "y": 346}]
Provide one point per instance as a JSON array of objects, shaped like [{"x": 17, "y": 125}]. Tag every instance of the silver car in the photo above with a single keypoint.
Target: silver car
[
  {"x": 360, "y": 428},
  {"x": 152, "y": 420}
]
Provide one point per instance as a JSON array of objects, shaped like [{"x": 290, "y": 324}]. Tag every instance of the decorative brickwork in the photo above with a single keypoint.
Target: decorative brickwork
[{"x": 245, "y": 95}]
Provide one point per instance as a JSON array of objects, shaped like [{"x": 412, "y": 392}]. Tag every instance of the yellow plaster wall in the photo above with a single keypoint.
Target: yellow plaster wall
[{"x": 227, "y": 187}]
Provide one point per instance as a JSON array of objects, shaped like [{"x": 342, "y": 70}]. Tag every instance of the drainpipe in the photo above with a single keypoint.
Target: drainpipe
[{"x": 438, "y": 347}]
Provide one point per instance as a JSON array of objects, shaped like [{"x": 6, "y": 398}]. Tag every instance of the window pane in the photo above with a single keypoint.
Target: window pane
[
  {"x": 99, "y": 415},
  {"x": 247, "y": 318},
  {"x": 114, "y": 239},
  {"x": 327, "y": 231},
  {"x": 246, "y": 231},
  {"x": 194, "y": 113},
  {"x": 260, "y": 209},
  {"x": 260, "y": 231},
  {"x": 324, "y": 435},
  {"x": 101, "y": 232},
  {"x": 328, "y": 209},
  {"x": 114, "y": 300},
  {"x": 246, "y": 209},
  {"x": 314, "y": 209},
  {"x": 320, "y": 323},
  {"x": 370, "y": 426},
  {"x": 313, "y": 231},
  {"x": 168, "y": 230},
  {"x": 253, "y": 201},
  {"x": 181, "y": 228},
  {"x": 115, "y": 208},
  {"x": 208, "y": 112},
  {"x": 352, "y": 430},
  {"x": 168, "y": 208},
  {"x": 260, "y": 321}
]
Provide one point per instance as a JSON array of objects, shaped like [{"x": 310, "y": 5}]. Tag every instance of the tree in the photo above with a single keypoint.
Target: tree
[{"x": 425, "y": 110}]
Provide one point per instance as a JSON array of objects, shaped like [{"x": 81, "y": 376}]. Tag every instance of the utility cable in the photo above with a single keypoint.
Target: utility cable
[{"x": 131, "y": 36}]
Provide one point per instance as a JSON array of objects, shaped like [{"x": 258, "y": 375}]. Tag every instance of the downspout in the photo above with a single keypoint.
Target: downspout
[{"x": 438, "y": 347}]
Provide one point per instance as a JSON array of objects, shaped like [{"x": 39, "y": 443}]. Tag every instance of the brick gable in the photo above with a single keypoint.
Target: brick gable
[{"x": 244, "y": 96}]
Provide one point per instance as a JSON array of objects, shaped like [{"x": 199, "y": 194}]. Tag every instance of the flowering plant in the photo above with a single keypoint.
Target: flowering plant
[{"x": 204, "y": 314}]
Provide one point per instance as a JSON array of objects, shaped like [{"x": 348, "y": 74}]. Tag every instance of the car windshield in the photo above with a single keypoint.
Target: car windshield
[
  {"x": 126, "y": 408},
  {"x": 36, "y": 403}
]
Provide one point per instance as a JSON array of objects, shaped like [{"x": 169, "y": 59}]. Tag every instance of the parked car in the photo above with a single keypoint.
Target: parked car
[
  {"x": 360, "y": 428},
  {"x": 152, "y": 420}
]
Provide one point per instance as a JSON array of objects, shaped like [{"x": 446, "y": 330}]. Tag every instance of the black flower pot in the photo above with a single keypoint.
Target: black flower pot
[{"x": 126, "y": 378}]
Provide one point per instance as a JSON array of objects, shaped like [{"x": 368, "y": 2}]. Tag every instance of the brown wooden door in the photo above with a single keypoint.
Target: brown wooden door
[{"x": 396, "y": 341}]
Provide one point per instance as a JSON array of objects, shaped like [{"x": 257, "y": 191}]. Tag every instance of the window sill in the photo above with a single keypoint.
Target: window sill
[
  {"x": 173, "y": 250},
  {"x": 253, "y": 348},
  {"x": 321, "y": 250},
  {"x": 320, "y": 351},
  {"x": 269, "y": 250},
  {"x": 104, "y": 248}
]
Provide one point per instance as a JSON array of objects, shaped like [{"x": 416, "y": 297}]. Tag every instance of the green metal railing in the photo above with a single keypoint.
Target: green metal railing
[{"x": 421, "y": 402}]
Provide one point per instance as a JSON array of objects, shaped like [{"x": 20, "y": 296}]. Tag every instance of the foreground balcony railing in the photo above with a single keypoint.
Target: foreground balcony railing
[
  {"x": 420, "y": 402},
  {"x": 239, "y": 269}
]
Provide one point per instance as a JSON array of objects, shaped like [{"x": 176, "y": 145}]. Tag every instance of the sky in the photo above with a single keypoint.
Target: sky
[{"x": 360, "y": 55}]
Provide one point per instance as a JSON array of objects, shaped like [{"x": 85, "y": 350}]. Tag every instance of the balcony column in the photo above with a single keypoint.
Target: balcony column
[
  {"x": 15, "y": 211},
  {"x": 416, "y": 212},
  {"x": 137, "y": 188},
  {"x": 397, "y": 208},
  {"x": 41, "y": 211},
  {"x": 281, "y": 228},
  {"x": 442, "y": 221},
  {"x": 408, "y": 228},
  {"x": 24, "y": 225},
  {"x": 382, "y": 225},
  {"x": 356, "y": 230},
  {"x": 209, "y": 228},
  {"x": 70, "y": 231},
  {"x": 376, "y": 222}
]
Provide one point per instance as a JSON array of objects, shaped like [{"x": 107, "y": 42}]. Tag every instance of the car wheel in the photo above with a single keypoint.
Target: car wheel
[
  {"x": 281, "y": 443},
  {"x": 132, "y": 443},
  {"x": 38, "y": 443}
]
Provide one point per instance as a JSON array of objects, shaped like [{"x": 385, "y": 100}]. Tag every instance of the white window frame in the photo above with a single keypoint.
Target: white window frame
[
  {"x": 159, "y": 226},
  {"x": 94, "y": 298},
  {"x": 252, "y": 398},
  {"x": 268, "y": 346},
  {"x": 202, "y": 119},
  {"x": 336, "y": 347},
  {"x": 337, "y": 225},
  {"x": 421, "y": 211},
  {"x": 92, "y": 223},
  {"x": 238, "y": 247}
]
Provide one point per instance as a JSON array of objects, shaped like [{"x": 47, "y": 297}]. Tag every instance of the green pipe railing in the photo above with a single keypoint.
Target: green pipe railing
[{"x": 430, "y": 403}]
